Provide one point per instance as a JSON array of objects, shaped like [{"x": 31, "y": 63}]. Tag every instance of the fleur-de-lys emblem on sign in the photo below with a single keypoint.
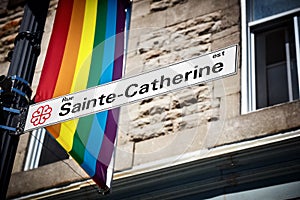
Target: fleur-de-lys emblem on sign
[{"x": 41, "y": 115}]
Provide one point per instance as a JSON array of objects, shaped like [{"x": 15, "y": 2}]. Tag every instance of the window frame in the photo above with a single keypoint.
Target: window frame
[
  {"x": 36, "y": 147},
  {"x": 248, "y": 79},
  {"x": 34, "y": 150}
]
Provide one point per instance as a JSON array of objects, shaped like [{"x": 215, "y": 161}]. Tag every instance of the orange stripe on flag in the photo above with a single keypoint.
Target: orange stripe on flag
[{"x": 66, "y": 73}]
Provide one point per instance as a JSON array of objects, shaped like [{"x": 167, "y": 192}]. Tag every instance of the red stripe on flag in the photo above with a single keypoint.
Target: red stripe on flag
[{"x": 55, "y": 50}]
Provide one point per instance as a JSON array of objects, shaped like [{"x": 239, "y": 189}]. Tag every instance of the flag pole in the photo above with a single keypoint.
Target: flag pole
[{"x": 15, "y": 91}]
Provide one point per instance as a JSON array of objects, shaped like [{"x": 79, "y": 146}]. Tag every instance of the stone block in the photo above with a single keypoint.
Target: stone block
[
  {"x": 204, "y": 92},
  {"x": 123, "y": 125},
  {"x": 130, "y": 112},
  {"x": 146, "y": 132},
  {"x": 21, "y": 153},
  {"x": 194, "y": 9},
  {"x": 230, "y": 106},
  {"x": 199, "y": 8},
  {"x": 227, "y": 86},
  {"x": 15, "y": 14},
  {"x": 200, "y": 39},
  {"x": 154, "y": 53},
  {"x": 292, "y": 114},
  {"x": 155, "y": 39},
  {"x": 19, "y": 162},
  {"x": 176, "y": 14},
  {"x": 159, "y": 5},
  {"x": 162, "y": 60},
  {"x": 197, "y": 29},
  {"x": 233, "y": 2},
  {"x": 169, "y": 145},
  {"x": 134, "y": 66},
  {"x": 124, "y": 156},
  {"x": 195, "y": 51},
  {"x": 132, "y": 48},
  {"x": 191, "y": 121},
  {"x": 214, "y": 132},
  {"x": 231, "y": 16},
  {"x": 140, "y": 8},
  {"x": 226, "y": 32},
  {"x": 193, "y": 108},
  {"x": 157, "y": 105},
  {"x": 185, "y": 97},
  {"x": 229, "y": 40},
  {"x": 9, "y": 39},
  {"x": 45, "y": 177},
  {"x": 200, "y": 107},
  {"x": 153, "y": 21},
  {"x": 173, "y": 115},
  {"x": 252, "y": 125},
  {"x": 4, "y": 68}
]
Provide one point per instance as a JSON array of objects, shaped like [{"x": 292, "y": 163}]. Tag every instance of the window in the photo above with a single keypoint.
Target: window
[
  {"x": 42, "y": 150},
  {"x": 271, "y": 54}
]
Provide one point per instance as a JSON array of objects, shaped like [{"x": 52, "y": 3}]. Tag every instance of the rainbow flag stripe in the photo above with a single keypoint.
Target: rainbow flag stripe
[{"x": 86, "y": 49}]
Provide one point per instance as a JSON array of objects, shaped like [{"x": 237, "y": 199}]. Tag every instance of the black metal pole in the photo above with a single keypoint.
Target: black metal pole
[{"x": 20, "y": 75}]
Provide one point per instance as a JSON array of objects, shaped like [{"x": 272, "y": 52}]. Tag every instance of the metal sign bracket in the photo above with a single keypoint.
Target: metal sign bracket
[{"x": 14, "y": 89}]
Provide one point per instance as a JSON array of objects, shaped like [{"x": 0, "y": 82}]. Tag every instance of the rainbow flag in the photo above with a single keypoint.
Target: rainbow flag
[{"x": 86, "y": 49}]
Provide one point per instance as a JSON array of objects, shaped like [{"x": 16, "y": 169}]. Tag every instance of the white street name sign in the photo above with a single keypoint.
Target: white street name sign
[{"x": 212, "y": 66}]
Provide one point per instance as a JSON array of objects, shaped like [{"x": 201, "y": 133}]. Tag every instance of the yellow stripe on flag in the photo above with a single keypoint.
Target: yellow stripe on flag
[{"x": 81, "y": 74}]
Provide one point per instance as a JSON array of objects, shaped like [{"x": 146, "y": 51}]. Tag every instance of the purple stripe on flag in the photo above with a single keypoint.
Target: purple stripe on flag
[
  {"x": 119, "y": 47},
  {"x": 107, "y": 147}
]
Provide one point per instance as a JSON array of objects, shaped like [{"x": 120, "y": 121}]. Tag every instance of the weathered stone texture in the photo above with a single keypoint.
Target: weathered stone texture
[
  {"x": 49, "y": 176},
  {"x": 8, "y": 31},
  {"x": 169, "y": 114},
  {"x": 173, "y": 145},
  {"x": 267, "y": 121},
  {"x": 21, "y": 153},
  {"x": 183, "y": 39},
  {"x": 157, "y": 5},
  {"x": 184, "y": 29},
  {"x": 124, "y": 157}
]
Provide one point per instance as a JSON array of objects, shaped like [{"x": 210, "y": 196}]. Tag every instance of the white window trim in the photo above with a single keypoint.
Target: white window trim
[
  {"x": 34, "y": 149},
  {"x": 273, "y": 17},
  {"x": 297, "y": 41},
  {"x": 245, "y": 91},
  {"x": 248, "y": 93}
]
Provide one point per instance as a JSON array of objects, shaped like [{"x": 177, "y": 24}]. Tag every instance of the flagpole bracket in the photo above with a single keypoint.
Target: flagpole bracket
[
  {"x": 14, "y": 103},
  {"x": 33, "y": 38},
  {"x": 104, "y": 191}
]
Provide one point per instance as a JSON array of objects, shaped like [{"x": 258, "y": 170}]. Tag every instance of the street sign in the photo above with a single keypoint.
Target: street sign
[{"x": 212, "y": 66}]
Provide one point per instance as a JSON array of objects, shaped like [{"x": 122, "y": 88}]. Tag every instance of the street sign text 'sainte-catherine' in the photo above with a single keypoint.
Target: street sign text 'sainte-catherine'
[{"x": 194, "y": 71}]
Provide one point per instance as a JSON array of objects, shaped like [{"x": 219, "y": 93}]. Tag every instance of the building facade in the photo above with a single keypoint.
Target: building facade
[{"x": 236, "y": 137}]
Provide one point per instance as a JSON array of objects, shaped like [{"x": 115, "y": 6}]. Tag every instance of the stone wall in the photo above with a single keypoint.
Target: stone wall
[
  {"x": 162, "y": 33},
  {"x": 9, "y": 26}
]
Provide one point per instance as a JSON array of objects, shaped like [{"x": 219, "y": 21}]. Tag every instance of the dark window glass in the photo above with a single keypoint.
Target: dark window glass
[
  {"x": 266, "y": 8},
  {"x": 277, "y": 86},
  {"x": 51, "y": 151},
  {"x": 275, "y": 63},
  {"x": 275, "y": 46}
]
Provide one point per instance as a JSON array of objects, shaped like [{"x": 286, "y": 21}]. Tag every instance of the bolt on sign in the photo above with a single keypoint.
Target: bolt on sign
[{"x": 205, "y": 68}]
